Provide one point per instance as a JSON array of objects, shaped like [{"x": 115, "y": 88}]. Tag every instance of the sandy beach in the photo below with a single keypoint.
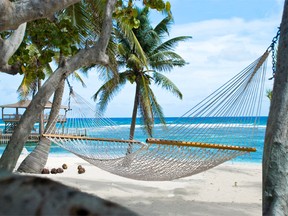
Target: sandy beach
[{"x": 229, "y": 189}]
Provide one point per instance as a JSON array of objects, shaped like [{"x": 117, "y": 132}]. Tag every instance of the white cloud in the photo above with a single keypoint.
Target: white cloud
[{"x": 219, "y": 50}]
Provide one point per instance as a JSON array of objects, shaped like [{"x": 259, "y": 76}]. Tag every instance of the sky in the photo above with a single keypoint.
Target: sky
[{"x": 226, "y": 37}]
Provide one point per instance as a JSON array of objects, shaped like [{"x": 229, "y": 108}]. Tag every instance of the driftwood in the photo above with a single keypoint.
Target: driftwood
[{"x": 30, "y": 195}]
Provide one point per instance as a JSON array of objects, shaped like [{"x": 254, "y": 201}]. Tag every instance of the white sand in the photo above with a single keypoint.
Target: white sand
[{"x": 229, "y": 189}]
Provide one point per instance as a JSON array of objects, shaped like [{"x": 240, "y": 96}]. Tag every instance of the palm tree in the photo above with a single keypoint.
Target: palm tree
[{"x": 144, "y": 59}]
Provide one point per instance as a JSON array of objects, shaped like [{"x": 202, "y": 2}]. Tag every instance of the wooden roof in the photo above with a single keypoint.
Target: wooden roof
[{"x": 25, "y": 104}]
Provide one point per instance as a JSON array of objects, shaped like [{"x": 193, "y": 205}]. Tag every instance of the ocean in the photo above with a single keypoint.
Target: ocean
[{"x": 123, "y": 126}]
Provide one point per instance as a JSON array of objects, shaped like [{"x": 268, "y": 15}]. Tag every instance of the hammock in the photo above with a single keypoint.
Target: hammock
[{"x": 197, "y": 141}]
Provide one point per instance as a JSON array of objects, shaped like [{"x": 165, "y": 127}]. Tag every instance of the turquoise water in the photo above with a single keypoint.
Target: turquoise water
[{"x": 123, "y": 125}]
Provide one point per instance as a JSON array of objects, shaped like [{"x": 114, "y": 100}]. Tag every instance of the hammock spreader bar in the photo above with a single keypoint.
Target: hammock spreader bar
[
  {"x": 199, "y": 145},
  {"x": 72, "y": 137}
]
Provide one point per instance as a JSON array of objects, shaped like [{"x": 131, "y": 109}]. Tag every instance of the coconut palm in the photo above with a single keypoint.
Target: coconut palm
[{"x": 144, "y": 60}]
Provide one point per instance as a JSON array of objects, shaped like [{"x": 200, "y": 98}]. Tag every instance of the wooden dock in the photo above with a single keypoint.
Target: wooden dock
[{"x": 4, "y": 138}]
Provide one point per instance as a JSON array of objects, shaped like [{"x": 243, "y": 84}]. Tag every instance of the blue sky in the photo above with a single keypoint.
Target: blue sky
[{"x": 227, "y": 37}]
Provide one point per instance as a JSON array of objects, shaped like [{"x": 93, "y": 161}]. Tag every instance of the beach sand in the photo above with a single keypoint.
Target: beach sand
[{"x": 229, "y": 189}]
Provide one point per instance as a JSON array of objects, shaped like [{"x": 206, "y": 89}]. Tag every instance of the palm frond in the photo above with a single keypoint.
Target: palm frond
[
  {"x": 79, "y": 78},
  {"x": 164, "y": 26},
  {"x": 82, "y": 19},
  {"x": 109, "y": 89},
  {"x": 134, "y": 62},
  {"x": 167, "y": 84},
  {"x": 157, "y": 109},
  {"x": 167, "y": 65},
  {"x": 76, "y": 13},
  {"x": 166, "y": 61},
  {"x": 170, "y": 44},
  {"x": 27, "y": 86},
  {"x": 133, "y": 41},
  {"x": 47, "y": 69}
]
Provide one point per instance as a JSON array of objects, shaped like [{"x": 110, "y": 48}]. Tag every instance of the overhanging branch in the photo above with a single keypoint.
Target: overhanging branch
[{"x": 13, "y": 14}]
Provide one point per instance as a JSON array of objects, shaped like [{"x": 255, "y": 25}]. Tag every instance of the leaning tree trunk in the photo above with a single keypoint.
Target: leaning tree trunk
[
  {"x": 37, "y": 159},
  {"x": 41, "y": 119},
  {"x": 275, "y": 158}
]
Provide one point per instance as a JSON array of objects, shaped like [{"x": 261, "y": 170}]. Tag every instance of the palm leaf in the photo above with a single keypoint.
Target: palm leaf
[
  {"x": 109, "y": 89},
  {"x": 157, "y": 109},
  {"x": 27, "y": 86},
  {"x": 79, "y": 78},
  {"x": 134, "y": 43},
  {"x": 163, "y": 27},
  {"x": 170, "y": 44},
  {"x": 134, "y": 62},
  {"x": 166, "y": 61},
  {"x": 166, "y": 83}
]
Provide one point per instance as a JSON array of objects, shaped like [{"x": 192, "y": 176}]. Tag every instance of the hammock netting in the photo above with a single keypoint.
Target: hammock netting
[{"x": 202, "y": 138}]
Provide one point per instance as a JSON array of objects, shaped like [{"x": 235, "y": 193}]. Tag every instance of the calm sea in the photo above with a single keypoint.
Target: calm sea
[{"x": 123, "y": 124}]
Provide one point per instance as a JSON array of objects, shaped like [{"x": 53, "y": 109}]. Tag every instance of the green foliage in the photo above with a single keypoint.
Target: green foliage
[
  {"x": 127, "y": 14},
  {"x": 269, "y": 94},
  {"x": 43, "y": 42}
]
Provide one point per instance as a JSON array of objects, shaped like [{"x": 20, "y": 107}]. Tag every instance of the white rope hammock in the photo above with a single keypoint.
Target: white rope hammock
[{"x": 187, "y": 147}]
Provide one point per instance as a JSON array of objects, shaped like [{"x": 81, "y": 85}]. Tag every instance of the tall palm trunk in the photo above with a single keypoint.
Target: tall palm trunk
[
  {"x": 134, "y": 113},
  {"x": 275, "y": 158},
  {"x": 134, "y": 117},
  {"x": 37, "y": 159}
]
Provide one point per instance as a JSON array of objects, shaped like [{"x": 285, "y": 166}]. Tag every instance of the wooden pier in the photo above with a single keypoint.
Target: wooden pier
[
  {"x": 11, "y": 120},
  {"x": 4, "y": 138}
]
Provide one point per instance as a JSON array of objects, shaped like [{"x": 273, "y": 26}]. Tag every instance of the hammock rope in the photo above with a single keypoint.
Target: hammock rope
[{"x": 202, "y": 138}]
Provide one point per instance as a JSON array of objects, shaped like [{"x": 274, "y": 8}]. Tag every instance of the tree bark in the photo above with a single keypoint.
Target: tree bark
[
  {"x": 85, "y": 57},
  {"x": 8, "y": 47},
  {"x": 37, "y": 159},
  {"x": 275, "y": 158},
  {"x": 14, "y": 13},
  {"x": 41, "y": 119},
  {"x": 30, "y": 195}
]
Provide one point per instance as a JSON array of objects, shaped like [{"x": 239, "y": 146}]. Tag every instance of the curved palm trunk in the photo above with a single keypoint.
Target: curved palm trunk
[
  {"x": 275, "y": 160},
  {"x": 37, "y": 159}
]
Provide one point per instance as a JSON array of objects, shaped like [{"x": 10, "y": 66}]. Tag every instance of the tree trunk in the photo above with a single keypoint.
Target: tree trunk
[
  {"x": 85, "y": 57},
  {"x": 41, "y": 119},
  {"x": 134, "y": 113},
  {"x": 13, "y": 13},
  {"x": 275, "y": 158},
  {"x": 8, "y": 47},
  {"x": 30, "y": 195},
  {"x": 37, "y": 159},
  {"x": 133, "y": 121}
]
